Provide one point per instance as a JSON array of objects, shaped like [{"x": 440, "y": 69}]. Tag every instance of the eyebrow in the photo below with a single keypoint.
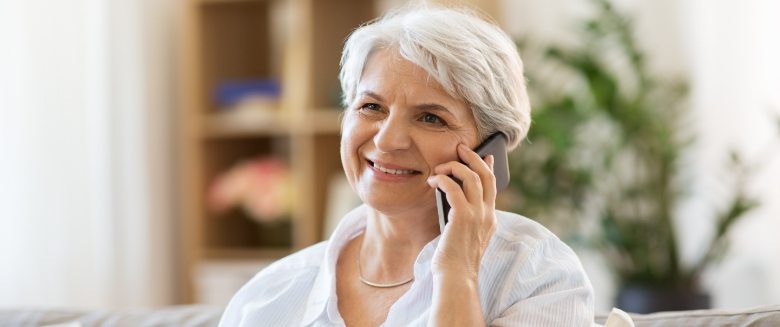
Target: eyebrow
[
  {"x": 433, "y": 107},
  {"x": 422, "y": 106},
  {"x": 373, "y": 95}
]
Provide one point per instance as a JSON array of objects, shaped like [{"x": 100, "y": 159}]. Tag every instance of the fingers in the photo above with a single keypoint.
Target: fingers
[
  {"x": 452, "y": 190},
  {"x": 472, "y": 185},
  {"x": 482, "y": 168}
]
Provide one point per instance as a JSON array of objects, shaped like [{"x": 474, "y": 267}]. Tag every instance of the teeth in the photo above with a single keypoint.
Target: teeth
[{"x": 393, "y": 171}]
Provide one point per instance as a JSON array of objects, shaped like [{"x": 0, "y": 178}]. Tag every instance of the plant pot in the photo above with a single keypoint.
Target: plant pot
[{"x": 639, "y": 298}]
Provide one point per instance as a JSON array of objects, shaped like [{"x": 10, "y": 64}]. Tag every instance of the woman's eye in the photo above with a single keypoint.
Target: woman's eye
[
  {"x": 432, "y": 119},
  {"x": 370, "y": 106}
]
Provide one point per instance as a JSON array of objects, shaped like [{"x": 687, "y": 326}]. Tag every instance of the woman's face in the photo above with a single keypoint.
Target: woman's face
[{"x": 401, "y": 125}]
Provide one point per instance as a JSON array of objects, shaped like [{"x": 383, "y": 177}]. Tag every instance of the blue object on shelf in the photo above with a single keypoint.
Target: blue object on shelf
[{"x": 229, "y": 93}]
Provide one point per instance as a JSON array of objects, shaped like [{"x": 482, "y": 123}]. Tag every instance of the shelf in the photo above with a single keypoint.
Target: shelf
[
  {"x": 323, "y": 121},
  {"x": 221, "y": 2},
  {"x": 272, "y": 124},
  {"x": 331, "y": 24},
  {"x": 242, "y": 124},
  {"x": 297, "y": 43},
  {"x": 237, "y": 42}
]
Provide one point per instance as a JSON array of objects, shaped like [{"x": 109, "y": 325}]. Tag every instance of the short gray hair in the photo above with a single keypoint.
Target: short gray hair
[{"x": 472, "y": 59}]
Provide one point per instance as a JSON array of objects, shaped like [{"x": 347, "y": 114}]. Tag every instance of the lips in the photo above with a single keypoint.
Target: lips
[{"x": 392, "y": 169}]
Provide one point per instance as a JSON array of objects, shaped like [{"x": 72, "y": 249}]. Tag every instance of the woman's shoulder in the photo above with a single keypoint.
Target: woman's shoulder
[
  {"x": 306, "y": 259},
  {"x": 520, "y": 240},
  {"x": 517, "y": 229},
  {"x": 283, "y": 285},
  {"x": 535, "y": 275},
  {"x": 296, "y": 267}
]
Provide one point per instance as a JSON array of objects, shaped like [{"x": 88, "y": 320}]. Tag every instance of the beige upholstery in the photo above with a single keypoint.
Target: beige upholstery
[
  {"x": 185, "y": 316},
  {"x": 754, "y": 317},
  {"x": 199, "y": 316}
]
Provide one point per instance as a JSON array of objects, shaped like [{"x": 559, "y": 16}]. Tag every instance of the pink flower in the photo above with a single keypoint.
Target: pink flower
[{"x": 260, "y": 186}]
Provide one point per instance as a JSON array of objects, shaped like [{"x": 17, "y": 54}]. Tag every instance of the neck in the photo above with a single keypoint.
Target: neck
[{"x": 392, "y": 242}]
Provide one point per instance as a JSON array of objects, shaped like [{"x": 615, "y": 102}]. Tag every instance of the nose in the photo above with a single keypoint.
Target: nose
[{"x": 393, "y": 135}]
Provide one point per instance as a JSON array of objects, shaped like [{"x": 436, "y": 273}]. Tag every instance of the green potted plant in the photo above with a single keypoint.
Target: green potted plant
[{"x": 606, "y": 142}]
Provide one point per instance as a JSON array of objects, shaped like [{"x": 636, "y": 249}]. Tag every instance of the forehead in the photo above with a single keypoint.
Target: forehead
[
  {"x": 397, "y": 80},
  {"x": 386, "y": 71}
]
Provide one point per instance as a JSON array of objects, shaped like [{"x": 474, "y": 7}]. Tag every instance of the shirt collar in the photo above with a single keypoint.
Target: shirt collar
[
  {"x": 324, "y": 286},
  {"x": 323, "y": 295}
]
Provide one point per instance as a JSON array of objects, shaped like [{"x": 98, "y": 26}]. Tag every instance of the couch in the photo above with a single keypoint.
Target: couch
[
  {"x": 200, "y": 316},
  {"x": 753, "y": 317},
  {"x": 185, "y": 316}
]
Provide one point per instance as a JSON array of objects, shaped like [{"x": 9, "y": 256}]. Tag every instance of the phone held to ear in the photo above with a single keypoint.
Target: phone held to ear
[{"x": 494, "y": 145}]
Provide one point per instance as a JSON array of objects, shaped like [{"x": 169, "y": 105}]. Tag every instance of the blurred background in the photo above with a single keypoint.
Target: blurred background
[{"x": 162, "y": 152}]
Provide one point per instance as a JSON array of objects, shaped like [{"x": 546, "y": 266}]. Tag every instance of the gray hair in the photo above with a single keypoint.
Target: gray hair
[{"x": 471, "y": 58}]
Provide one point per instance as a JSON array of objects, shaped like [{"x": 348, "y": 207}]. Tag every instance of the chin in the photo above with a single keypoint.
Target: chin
[{"x": 396, "y": 205}]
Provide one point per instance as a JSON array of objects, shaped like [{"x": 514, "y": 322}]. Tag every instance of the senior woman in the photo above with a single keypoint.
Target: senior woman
[{"x": 422, "y": 87}]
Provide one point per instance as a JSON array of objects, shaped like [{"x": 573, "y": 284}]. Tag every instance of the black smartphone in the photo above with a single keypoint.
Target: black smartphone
[{"x": 494, "y": 145}]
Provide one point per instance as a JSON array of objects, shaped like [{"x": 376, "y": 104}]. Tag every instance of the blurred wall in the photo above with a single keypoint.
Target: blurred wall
[{"x": 85, "y": 203}]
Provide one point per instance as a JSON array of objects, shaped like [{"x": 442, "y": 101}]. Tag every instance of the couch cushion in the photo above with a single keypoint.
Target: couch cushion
[
  {"x": 753, "y": 317},
  {"x": 190, "y": 316}
]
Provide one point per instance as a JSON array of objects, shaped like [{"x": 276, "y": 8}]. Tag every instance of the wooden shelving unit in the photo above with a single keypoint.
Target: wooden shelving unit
[{"x": 296, "y": 42}]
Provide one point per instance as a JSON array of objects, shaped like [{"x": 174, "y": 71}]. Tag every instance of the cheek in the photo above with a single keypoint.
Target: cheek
[
  {"x": 437, "y": 151},
  {"x": 351, "y": 140}
]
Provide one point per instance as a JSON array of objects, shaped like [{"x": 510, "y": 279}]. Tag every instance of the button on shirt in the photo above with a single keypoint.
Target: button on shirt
[{"x": 527, "y": 277}]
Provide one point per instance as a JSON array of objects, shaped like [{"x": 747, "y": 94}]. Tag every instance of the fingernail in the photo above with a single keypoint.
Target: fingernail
[{"x": 492, "y": 161}]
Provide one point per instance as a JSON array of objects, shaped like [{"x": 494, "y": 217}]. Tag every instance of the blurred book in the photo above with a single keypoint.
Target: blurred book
[
  {"x": 245, "y": 105},
  {"x": 233, "y": 94},
  {"x": 341, "y": 200}
]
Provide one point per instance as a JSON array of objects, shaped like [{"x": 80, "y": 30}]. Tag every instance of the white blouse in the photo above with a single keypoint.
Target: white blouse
[{"x": 527, "y": 277}]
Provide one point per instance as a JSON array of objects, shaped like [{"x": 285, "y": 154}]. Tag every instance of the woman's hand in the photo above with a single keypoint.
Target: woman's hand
[
  {"x": 472, "y": 217},
  {"x": 472, "y": 221}
]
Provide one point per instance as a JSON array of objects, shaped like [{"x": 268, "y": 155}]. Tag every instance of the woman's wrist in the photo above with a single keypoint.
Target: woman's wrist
[
  {"x": 456, "y": 301},
  {"x": 456, "y": 288},
  {"x": 456, "y": 271},
  {"x": 455, "y": 279}
]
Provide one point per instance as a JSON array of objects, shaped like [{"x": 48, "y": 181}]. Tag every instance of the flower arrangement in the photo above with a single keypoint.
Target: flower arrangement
[{"x": 260, "y": 186}]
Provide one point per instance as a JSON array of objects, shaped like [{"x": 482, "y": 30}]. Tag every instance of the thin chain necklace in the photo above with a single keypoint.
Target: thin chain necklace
[{"x": 376, "y": 284}]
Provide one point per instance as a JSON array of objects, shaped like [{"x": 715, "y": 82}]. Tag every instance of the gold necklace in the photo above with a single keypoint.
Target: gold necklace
[{"x": 376, "y": 284}]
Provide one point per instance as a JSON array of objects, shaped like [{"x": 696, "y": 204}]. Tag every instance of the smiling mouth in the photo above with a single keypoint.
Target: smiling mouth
[{"x": 392, "y": 171}]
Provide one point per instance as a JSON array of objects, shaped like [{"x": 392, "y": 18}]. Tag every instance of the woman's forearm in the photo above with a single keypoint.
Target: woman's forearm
[{"x": 456, "y": 302}]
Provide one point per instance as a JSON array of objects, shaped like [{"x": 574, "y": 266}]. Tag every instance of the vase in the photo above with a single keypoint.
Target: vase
[{"x": 640, "y": 298}]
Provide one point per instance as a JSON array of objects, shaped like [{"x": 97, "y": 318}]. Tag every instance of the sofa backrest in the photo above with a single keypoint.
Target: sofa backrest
[{"x": 753, "y": 317}]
